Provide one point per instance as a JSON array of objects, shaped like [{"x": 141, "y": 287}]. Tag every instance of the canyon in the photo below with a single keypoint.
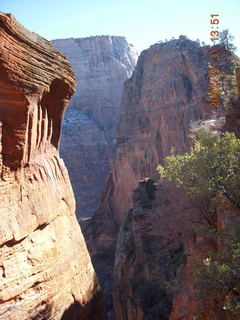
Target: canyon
[
  {"x": 101, "y": 65},
  {"x": 45, "y": 268},
  {"x": 142, "y": 238}
]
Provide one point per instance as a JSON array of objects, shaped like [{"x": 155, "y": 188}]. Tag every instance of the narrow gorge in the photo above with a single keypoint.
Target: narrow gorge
[{"x": 101, "y": 65}]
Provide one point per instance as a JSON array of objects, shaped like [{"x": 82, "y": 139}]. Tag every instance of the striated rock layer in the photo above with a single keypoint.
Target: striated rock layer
[
  {"x": 45, "y": 269},
  {"x": 167, "y": 92},
  {"x": 101, "y": 65}
]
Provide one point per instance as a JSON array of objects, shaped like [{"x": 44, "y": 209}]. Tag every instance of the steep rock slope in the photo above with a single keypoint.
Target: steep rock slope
[
  {"x": 157, "y": 246},
  {"x": 167, "y": 90},
  {"x": 101, "y": 65},
  {"x": 155, "y": 254},
  {"x": 45, "y": 269}
]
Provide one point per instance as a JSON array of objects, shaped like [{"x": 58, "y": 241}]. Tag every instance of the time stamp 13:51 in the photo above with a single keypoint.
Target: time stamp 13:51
[{"x": 214, "y": 68}]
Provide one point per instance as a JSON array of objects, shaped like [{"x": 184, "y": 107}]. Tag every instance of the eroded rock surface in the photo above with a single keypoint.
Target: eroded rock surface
[
  {"x": 156, "y": 249},
  {"x": 158, "y": 243},
  {"x": 101, "y": 65},
  {"x": 45, "y": 268},
  {"x": 167, "y": 93},
  {"x": 167, "y": 90}
]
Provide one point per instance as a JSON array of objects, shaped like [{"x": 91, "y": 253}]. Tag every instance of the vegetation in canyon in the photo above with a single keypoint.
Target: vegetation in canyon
[
  {"x": 210, "y": 174},
  {"x": 210, "y": 169},
  {"x": 218, "y": 277},
  {"x": 227, "y": 84}
]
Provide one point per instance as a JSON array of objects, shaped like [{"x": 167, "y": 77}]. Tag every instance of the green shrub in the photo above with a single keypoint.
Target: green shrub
[
  {"x": 211, "y": 170},
  {"x": 218, "y": 277}
]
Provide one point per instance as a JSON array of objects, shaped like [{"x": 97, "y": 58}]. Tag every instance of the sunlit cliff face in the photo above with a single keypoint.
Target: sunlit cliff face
[{"x": 44, "y": 264}]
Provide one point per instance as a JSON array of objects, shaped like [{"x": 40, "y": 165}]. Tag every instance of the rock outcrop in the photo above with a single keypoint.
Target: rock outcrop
[
  {"x": 166, "y": 94},
  {"x": 101, "y": 65},
  {"x": 45, "y": 268},
  {"x": 158, "y": 245},
  {"x": 156, "y": 249},
  {"x": 233, "y": 115},
  {"x": 167, "y": 90}
]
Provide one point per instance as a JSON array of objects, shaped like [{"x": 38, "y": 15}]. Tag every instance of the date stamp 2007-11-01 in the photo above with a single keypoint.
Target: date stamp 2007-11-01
[{"x": 214, "y": 68}]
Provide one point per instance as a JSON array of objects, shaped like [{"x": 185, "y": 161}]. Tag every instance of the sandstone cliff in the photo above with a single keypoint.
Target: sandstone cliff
[
  {"x": 45, "y": 269},
  {"x": 167, "y": 90},
  {"x": 166, "y": 93},
  {"x": 101, "y": 65}
]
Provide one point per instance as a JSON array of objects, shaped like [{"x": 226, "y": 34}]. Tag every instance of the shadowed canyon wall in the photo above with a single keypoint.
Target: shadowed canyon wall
[
  {"x": 101, "y": 65},
  {"x": 154, "y": 259},
  {"x": 45, "y": 268},
  {"x": 166, "y": 93}
]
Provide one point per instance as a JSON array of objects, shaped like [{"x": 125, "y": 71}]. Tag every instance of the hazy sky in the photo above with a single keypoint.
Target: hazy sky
[{"x": 143, "y": 22}]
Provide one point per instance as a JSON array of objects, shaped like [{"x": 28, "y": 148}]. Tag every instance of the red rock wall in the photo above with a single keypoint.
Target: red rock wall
[
  {"x": 167, "y": 92},
  {"x": 45, "y": 268},
  {"x": 154, "y": 260}
]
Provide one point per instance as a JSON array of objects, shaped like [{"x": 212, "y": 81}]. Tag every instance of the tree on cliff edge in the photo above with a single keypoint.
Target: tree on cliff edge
[
  {"x": 211, "y": 169},
  {"x": 226, "y": 39}
]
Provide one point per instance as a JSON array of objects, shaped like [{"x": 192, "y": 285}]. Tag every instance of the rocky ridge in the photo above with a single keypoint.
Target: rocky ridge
[{"x": 45, "y": 268}]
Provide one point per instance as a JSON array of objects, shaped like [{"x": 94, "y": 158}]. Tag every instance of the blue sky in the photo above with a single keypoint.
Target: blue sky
[{"x": 143, "y": 22}]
